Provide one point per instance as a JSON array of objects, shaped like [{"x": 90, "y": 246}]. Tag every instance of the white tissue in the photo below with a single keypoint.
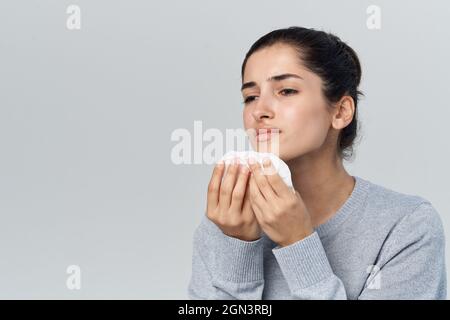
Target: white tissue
[{"x": 280, "y": 166}]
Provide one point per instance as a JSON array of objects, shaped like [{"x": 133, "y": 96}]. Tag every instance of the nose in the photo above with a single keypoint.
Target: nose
[{"x": 262, "y": 109}]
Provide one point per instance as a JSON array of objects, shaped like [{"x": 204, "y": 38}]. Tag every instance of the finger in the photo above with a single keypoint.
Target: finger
[
  {"x": 214, "y": 185},
  {"x": 238, "y": 194},
  {"x": 227, "y": 186},
  {"x": 256, "y": 198},
  {"x": 262, "y": 182},
  {"x": 246, "y": 205},
  {"x": 255, "y": 193},
  {"x": 278, "y": 185}
]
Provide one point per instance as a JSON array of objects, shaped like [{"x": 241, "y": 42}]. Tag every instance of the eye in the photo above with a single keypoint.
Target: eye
[
  {"x": 249, "y": 99},
  {"x": 289, "y": 91}
]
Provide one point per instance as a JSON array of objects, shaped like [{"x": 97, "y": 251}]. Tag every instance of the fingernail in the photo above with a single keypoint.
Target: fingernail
[{"x": 266, "y": 162}]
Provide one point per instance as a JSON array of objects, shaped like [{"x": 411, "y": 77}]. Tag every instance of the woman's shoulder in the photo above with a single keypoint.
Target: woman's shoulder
[{"x": 402, "y": 209}]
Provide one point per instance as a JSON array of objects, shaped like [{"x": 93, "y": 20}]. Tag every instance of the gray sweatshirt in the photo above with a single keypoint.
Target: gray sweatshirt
[{"x": 380, "y": 244}]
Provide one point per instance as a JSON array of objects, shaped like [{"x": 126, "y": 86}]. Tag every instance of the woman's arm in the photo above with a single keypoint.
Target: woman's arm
[
  {"x": 307, "y": 271},
  {"x": 225, "y": 267},
  {"x": 410, "y": 265}
]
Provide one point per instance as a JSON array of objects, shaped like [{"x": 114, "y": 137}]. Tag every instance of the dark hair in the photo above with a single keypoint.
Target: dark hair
[{"x": 332, "y": 60}]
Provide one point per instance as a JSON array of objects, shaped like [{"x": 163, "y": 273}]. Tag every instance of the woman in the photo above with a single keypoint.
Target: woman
[{"x": 338, "y": 236}]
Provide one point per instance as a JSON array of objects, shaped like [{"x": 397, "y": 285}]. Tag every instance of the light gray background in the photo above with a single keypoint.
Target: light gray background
[{"x": 86, "y": 118}]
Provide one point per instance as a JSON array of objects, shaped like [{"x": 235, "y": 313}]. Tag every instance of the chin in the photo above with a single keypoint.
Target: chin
[
  {"x": 289, "y": 155},
  {"x": 281, "y": 153}
]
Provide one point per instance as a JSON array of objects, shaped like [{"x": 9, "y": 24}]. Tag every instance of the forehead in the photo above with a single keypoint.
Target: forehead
[{"x": 273, "y": 60}]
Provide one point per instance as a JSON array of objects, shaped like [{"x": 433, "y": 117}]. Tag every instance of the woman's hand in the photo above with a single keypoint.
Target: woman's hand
[
  {"x": 280, "y": 212},
  {"x": 228, "y": 204}
]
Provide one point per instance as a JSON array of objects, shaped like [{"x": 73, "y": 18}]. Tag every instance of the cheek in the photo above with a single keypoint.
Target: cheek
[
  {"x": 310, "y": 122},
  {"x": 246, "y": 116},
  {"x": 248, "y": 127}
]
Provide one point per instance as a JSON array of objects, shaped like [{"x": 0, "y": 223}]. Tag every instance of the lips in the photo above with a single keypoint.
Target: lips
[{"x": 264, "y": 134}]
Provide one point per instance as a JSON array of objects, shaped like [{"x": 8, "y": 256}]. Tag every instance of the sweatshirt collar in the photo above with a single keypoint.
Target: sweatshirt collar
[{"x": 355, "y": 202}]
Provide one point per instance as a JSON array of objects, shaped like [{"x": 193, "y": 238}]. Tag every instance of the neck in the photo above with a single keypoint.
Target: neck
[{"x": 323, "y": 183}]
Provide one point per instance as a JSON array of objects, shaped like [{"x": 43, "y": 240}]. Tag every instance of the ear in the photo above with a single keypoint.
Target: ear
[{"x": 343, "y": 113}]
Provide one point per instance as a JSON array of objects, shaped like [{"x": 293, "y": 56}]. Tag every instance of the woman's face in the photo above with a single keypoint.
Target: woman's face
[{"x": 296, "y": 106}]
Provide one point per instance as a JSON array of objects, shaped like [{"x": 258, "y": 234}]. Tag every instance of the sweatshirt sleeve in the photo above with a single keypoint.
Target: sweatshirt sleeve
[
  {"x": 224, "y": 267},
  {"x": 411, "y": 264},
  {"x": 305, "y": 266}
]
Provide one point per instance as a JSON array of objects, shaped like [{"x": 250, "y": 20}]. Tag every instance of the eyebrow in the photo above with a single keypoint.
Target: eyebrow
[{"x": 273, "y": 78}]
